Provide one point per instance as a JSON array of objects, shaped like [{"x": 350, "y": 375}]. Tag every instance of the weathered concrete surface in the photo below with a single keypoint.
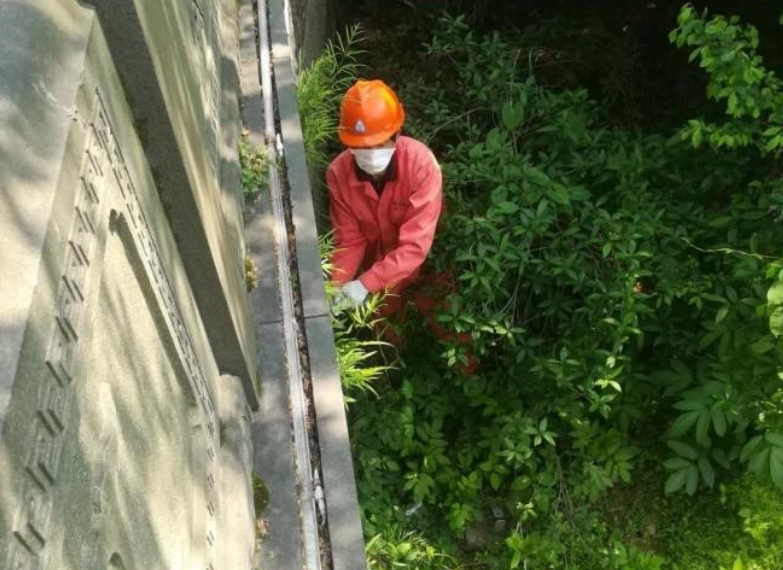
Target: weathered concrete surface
[
  {"x": 33, "y": 128},
  {"x": 232, "y": 195},
  {"x": 281, "y": 548},
  {"x": 236, "y": 524},
  {"x": 171, "y": 57},
  {"x": 311, "y": 280},
  {"x": 313, "y": 21},
  {"x": 110, "y": 452},
  {"x": 345, "y": 529}
]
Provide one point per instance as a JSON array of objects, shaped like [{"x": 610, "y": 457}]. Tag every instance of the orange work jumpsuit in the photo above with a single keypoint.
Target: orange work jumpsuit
[{"x": 384, "y": 237}]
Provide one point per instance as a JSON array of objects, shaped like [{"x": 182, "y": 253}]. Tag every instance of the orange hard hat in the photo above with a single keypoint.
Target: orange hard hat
[{"x": 370, "y": 114}]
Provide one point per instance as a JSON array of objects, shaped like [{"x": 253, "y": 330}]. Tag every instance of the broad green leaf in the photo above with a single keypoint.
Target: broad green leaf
[
  {"x": 692, "y": 480},
  {"x": 676, "y": 481},
  {"x": 758, "y": 463},
  {"x": 512, "y": 115},
  {"x": 684, "y": 422},
  {"x": 702, "y": 428},
  {"x": 776, "y": 467},
  {"x": 720, "y": 457},
  {"x": 691, "y": 404},
  {"x": 776, "y": 322},
  {"x": 719, "y": 421},
  {"x": 765, "y": 344},
  {"x": 579, "y": 193},
  {"x": 750, "y": 447},
  {"x": 775, "y": 294},
  {"x": 707, "y": 472},
  {"x": 561, "y": 195},
  {"x": 682, "y": 449},
  {"x": 775, "y": 439},
  {"x": 676, "y": 463},
  {"x": 682, "y": 369},
  {"x": 720, "y": 221}
]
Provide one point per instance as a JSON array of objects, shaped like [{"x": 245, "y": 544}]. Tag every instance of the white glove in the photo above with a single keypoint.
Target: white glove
[
  {"x": 338, "y": 302},
  {"x": 353, "y": 293}
]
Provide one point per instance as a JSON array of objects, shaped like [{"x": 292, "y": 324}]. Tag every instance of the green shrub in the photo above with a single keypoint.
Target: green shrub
[
  {"x": 622, "y": 290},
  {"x": 397, "y": 549}
]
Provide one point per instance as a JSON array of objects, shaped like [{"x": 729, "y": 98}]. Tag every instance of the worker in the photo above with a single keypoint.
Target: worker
[{"x": 385, "y": 195}]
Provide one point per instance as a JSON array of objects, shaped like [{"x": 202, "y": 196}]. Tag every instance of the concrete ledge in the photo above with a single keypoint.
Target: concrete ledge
[
  {"x": 272, "y": 434},
  {"x": 345, "y": 529},
  {"x": 272, "y": 430},
  {"x": 307, "y": 251},
  {"x": 342, "y": 505}
]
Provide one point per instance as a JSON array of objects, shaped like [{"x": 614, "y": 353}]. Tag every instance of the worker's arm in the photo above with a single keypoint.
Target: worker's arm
[
  {"x": 416, "y": 233},
  {"x": 350, "y": 243}
]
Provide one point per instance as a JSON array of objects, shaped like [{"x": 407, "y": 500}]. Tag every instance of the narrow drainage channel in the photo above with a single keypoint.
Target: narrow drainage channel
[{"x": 316, "y": 548}]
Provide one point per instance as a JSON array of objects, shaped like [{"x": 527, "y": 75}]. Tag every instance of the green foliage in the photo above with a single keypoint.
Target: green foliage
[
  {"x": 254, "y": 162},
  {"x": 745, "y": 525},
  {"x": 358, "y": 349},
  {"x": 319, "y": 90},
  {"x": 397, "y": 549},
  {"x": 752, "y": 94},
  {"x": 251, "y": 274},
  {"x": 260, "y": 494},
  {"x": 623, "y": 293}
]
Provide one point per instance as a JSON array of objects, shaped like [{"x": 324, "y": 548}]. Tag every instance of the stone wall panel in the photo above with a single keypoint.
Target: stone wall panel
[{"x": 109, "y": 422}]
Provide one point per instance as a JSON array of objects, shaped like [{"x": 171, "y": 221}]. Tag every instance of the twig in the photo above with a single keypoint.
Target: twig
[{"x": 730, "y": 251}]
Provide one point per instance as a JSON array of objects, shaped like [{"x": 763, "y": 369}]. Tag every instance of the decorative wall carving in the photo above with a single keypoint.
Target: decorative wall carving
[{"x": 103, "y": 172}]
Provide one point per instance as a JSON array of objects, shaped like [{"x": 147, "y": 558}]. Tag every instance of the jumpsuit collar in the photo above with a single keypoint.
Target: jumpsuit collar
[{"x": 389, "y": 175}]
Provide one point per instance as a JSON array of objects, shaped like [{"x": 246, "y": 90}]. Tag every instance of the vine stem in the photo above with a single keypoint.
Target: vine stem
[{"x": 730, "y": 250}]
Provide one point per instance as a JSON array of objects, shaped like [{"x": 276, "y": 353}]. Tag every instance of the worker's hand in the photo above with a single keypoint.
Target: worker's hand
[
  {"x": 354, "y": 293},
  {"x": 338, "y": 302},
  {"x": 349, "y": 296}
]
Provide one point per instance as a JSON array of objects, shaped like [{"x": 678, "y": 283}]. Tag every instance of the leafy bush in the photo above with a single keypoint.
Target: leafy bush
[{"x": 624, "y": 293}]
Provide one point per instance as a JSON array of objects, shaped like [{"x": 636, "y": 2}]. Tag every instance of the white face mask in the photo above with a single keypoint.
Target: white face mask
[{"x": 373, "y": 160}]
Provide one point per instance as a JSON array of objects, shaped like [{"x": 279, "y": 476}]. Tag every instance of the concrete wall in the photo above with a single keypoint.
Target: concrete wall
[
  {"x": 125, "y": 367},
  {"x": 314, "y": 22}
]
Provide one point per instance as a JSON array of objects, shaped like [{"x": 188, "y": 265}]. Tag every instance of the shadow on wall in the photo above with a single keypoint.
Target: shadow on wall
[
  {"x": 115, "y": 562},
  {"x": 123, "y": 448},
  {"x": 28, "y": 156}
]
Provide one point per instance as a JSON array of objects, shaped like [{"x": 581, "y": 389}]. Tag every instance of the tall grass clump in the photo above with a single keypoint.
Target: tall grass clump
[
  {"x": 359, "y": 357},
  {"x": 319, "y": 90}
]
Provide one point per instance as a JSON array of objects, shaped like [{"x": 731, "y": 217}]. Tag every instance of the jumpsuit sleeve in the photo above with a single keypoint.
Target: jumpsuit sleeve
[
  {"x": 416, "y": 232},
  {"x": 350, "y": 243}
]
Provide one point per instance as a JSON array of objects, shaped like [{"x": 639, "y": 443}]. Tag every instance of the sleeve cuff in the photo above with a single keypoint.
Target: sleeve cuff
[{"x": 371, "y": 282}]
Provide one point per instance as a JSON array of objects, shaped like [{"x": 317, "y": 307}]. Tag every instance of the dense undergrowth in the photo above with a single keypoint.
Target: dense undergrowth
[{"x": 622, "y": 286}]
